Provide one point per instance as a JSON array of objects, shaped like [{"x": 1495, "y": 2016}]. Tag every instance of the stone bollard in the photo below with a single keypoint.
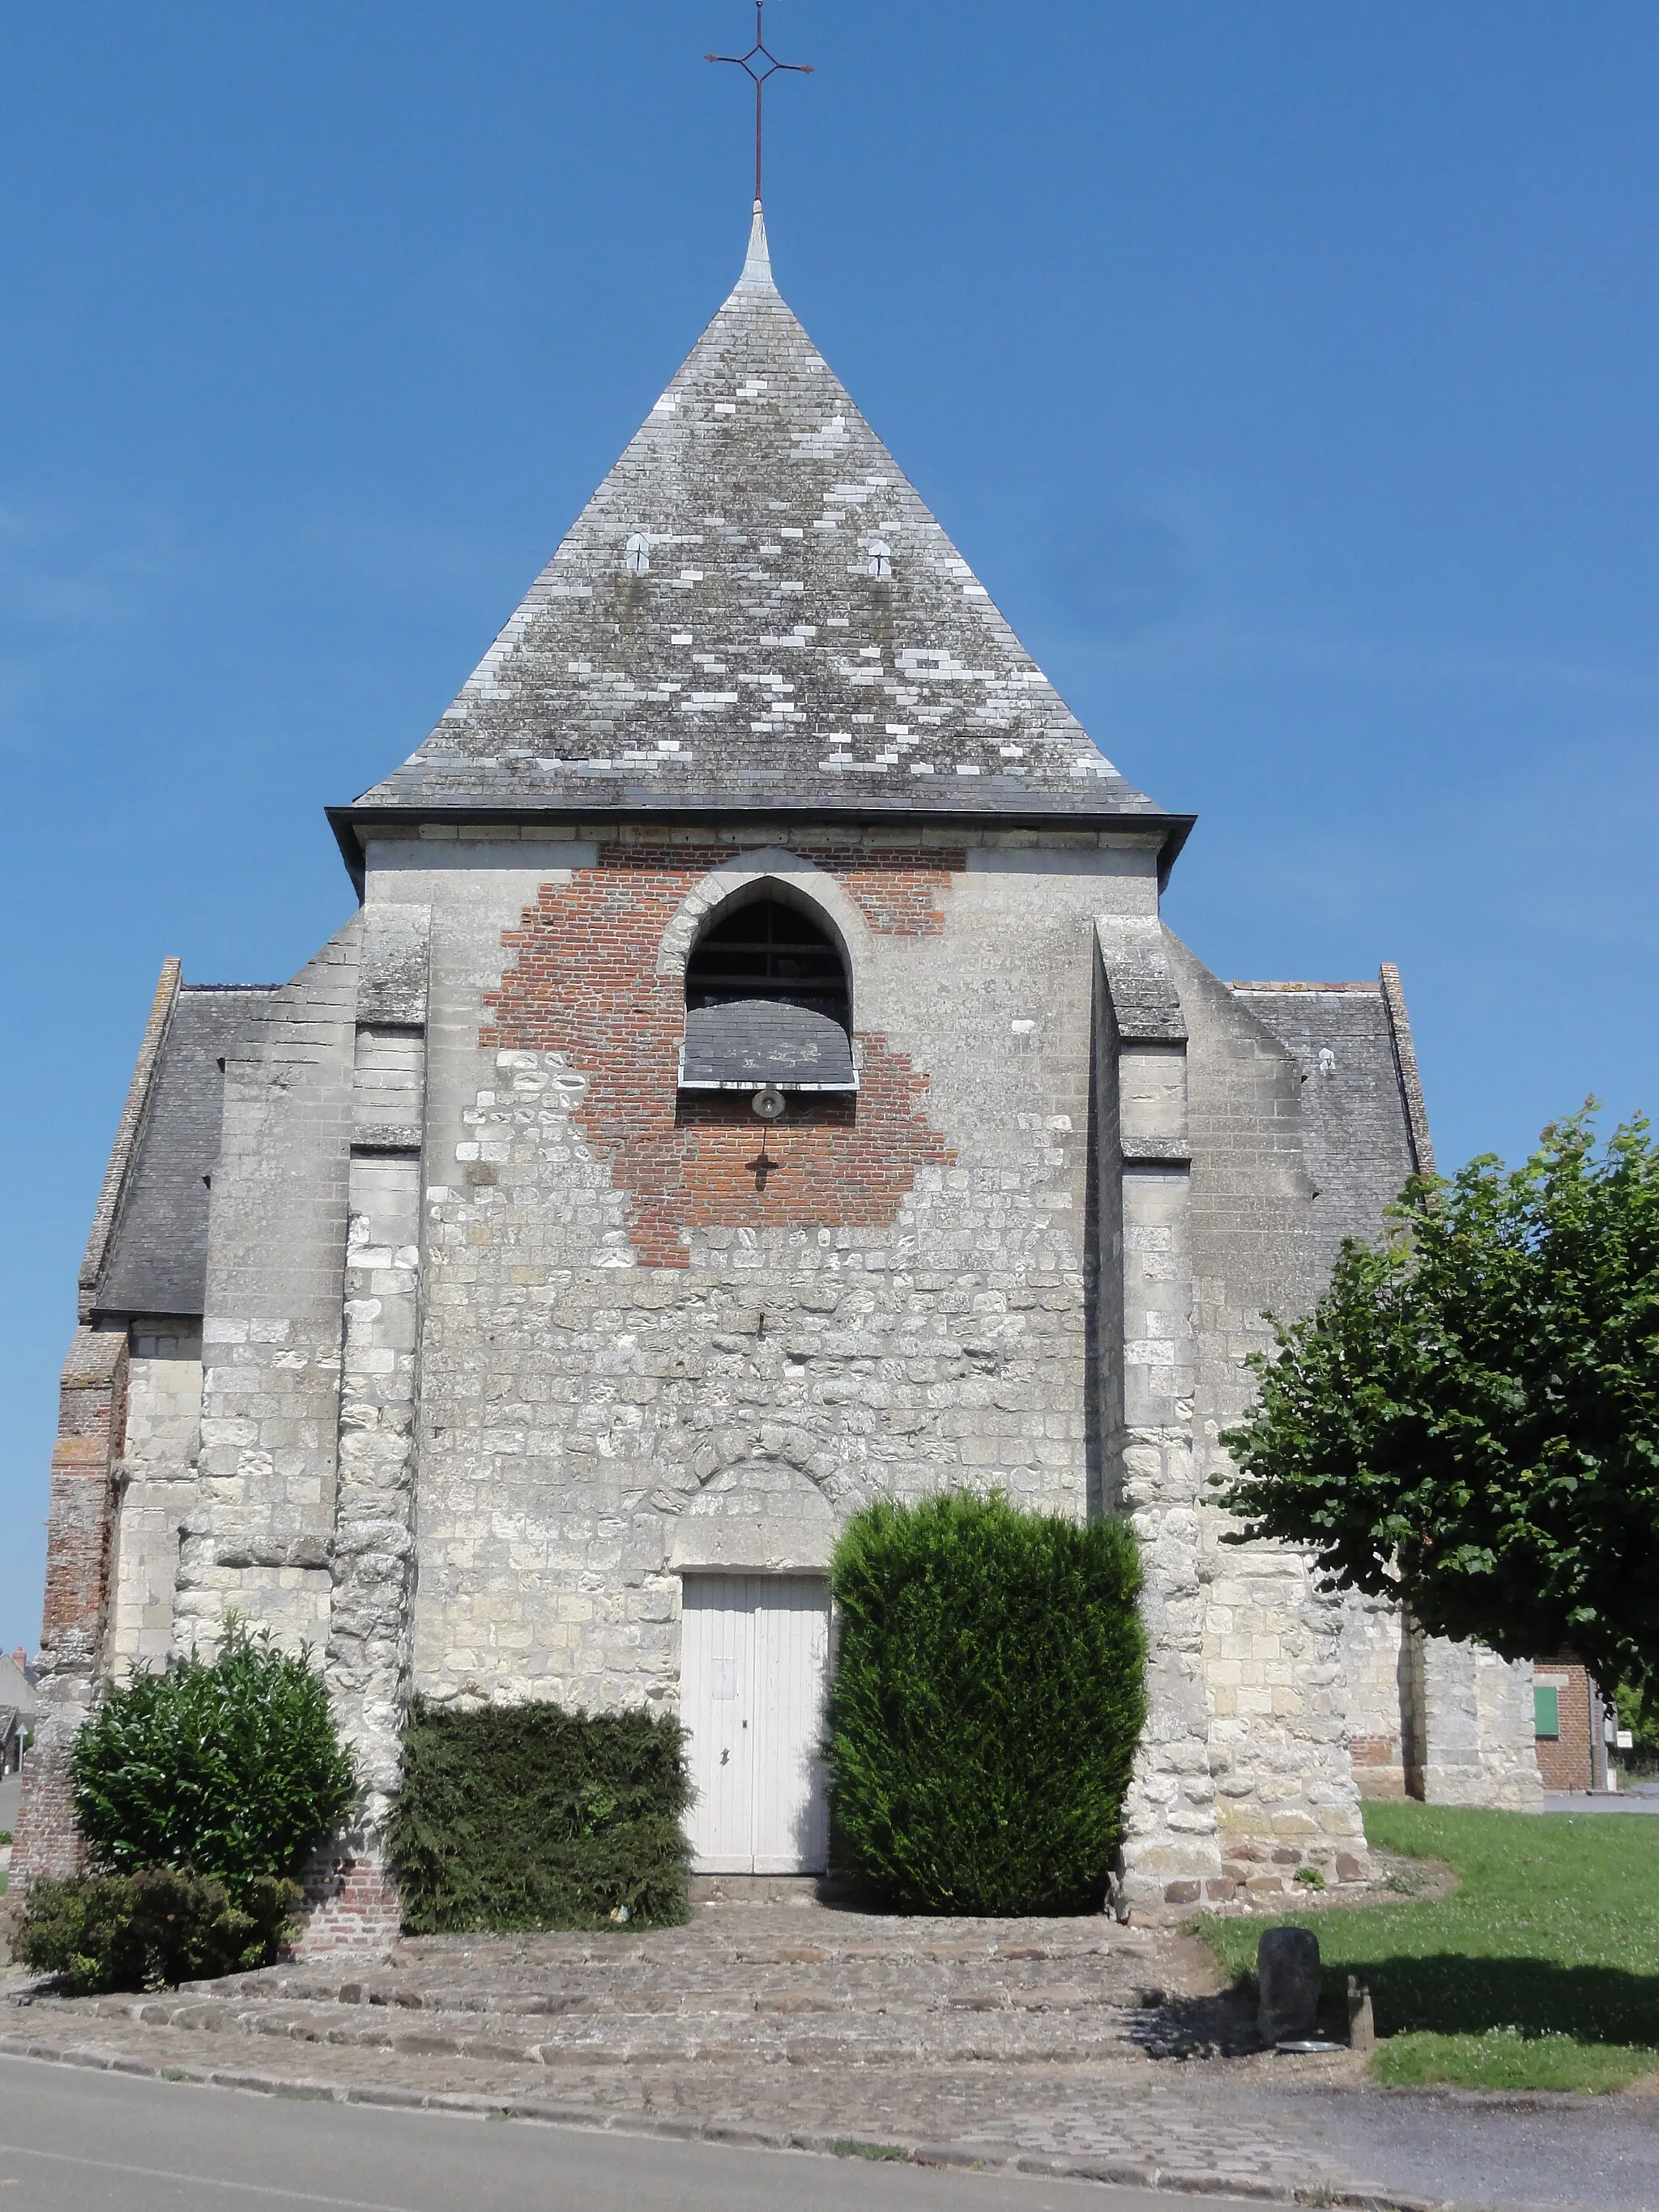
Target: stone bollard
[
  {"x": 1362, "y": 2028},
  {"x": 1287, "y": 1978}
]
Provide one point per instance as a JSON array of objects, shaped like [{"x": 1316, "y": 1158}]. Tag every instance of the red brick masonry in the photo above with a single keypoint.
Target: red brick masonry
[
  {"x": 584, "y": 982},
  {"x": 351, "y": 1901},
  {"x": 91, "y": 1418},
  {"x": 1577, "y": 1759}
]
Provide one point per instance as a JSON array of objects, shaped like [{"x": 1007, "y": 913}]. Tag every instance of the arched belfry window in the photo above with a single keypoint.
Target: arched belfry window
[{"x": 767, "y": 1002}]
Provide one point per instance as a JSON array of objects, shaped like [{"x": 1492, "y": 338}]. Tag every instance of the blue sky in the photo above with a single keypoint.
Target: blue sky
[{"x": 1286, "y": 370}]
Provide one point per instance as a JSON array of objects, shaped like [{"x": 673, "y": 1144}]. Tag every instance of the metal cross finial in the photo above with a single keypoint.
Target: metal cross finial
[{"x": 771, "y": 66}]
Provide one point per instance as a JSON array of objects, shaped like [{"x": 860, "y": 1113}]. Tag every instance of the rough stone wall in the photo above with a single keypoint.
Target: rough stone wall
[
  {"x": 1380, "y": 1674},
  {"x": 91, "y": 1423},
  {"x": 372, "y": 1550},
  {"x": 119, "y": 1167},
  {"x": 1478, "y": 1728},
  {"x": 588, "y": 1345},
  {"x": 1357, "y": 1147},
  {"x": 1142, "y": 1225},
  {"x": 158, "y": 1474},
  {"x": 258, "y": 1537},
  {"x": 589, "y": 1421},
  {"x": 1285, "y": 1787}
]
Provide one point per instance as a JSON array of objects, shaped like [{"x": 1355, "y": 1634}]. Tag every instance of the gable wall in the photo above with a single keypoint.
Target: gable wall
[{"x": 590, "y": 1391}]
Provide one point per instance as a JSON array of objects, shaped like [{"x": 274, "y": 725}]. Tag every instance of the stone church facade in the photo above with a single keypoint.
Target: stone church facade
[{"x": 757, "y": 1079}]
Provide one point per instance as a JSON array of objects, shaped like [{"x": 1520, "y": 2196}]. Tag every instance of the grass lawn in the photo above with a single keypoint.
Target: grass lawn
[{"x": 1540, "y": 1972}]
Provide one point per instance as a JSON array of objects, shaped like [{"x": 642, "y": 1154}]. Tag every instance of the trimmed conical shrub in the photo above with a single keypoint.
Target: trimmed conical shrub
[{"x": 985, "y": 1707}]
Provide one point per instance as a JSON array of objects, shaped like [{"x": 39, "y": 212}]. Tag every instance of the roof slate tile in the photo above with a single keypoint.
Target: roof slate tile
[{"x": 756, "y": 605}]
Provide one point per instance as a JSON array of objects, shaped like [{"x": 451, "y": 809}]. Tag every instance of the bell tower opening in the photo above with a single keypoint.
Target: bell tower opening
[{"x": 767, "y": 1002}]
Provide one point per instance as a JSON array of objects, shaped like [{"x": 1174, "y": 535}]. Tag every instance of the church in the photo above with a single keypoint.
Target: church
[{"x": 757, "y": 1080}]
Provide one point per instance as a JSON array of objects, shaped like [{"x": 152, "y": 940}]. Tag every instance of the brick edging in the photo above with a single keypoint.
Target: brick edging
[{"x": 975, "y": 2157}]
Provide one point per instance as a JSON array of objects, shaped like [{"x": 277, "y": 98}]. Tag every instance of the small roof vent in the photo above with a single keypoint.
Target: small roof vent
[
  {"x": 639, "y": 553},
  {"x": 881, "y": 557}
]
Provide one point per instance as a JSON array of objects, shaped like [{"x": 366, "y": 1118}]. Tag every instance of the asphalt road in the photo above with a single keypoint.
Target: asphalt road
[
  {"x": 1535, "y": 2153},
  {"x": 75, "y": 2140}
]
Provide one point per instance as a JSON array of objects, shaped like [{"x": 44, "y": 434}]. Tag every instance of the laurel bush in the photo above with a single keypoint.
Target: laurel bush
[
  {"x": 229, "y": 1767},
  {"x": 535, "y": 1816},
  {"x": 985, "y": 1712}
]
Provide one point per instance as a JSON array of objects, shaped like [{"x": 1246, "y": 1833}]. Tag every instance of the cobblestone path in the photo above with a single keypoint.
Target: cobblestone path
[{"x": 1033, "y": 2043}]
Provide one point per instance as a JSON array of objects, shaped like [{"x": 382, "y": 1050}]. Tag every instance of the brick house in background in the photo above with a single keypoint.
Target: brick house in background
[
  {"x": 757, "y": 1079},
  {"x": 1571, "y": 1721}
]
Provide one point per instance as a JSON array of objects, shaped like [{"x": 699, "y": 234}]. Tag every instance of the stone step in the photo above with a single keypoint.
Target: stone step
[
  {"x": 1047, "y": 2028},
  {"x": 724, "y": 1954},
  {"x": 637, "y": 2003},
  {"x": 734, "y": 1986},
  {"x": 670, "y": 1985}
]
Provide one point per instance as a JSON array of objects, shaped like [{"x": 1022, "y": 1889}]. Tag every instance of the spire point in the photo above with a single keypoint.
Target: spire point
[{"x": 757, "y": 262}]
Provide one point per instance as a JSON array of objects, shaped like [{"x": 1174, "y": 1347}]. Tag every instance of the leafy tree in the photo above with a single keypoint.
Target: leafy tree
[
  {"x": 1637, "y": 1707},
  {"x": 229, "y": 1767},
  {"x": 1468, "y": 1421}
]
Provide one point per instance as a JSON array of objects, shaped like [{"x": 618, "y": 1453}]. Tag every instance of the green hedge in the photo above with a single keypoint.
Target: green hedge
[
  {"x": 987, "y": 1706},
  {"x": 145, "y": 1930},
  {"x": 532, "y": 1816}
]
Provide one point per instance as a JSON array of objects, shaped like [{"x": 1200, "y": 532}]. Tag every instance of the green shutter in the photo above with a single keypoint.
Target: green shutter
[{"x": 1546, "y": 1710}]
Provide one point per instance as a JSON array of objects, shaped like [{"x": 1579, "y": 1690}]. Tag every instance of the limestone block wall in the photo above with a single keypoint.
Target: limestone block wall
[
  {"x": 1285, "y": 1787},
  {"x": 372, "y": 1549},
  {"x": 502, "y": 1335},
  {"x": 257, "y": 1537},
  {"x": 1383, "y": 1675},
  {"x": 903, "y": 1309},
  {"x": 1478, "y": 1725},
  {"x": 158, "y": 1467},
  {"x": 1143, "y": 1206},
  {"x": 371, "y": 1555}
]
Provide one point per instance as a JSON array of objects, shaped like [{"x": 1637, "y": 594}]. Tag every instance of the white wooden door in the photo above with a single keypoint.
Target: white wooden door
[{"x": 754, "y": 1655}]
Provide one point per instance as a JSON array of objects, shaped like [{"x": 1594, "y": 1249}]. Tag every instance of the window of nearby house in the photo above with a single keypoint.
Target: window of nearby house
[
  {"x": 767, "y": 1002},
  {"x": 1547, "y": 1711}
]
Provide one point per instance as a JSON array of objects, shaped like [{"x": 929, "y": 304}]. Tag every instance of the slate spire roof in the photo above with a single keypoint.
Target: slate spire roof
[{"x": 754, "y": 609}]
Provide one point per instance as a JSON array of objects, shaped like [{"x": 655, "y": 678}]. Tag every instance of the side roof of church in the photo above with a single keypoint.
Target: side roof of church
[
  {"x": 756, "y": 608},
  {"x": 148, "y": 1250}
]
